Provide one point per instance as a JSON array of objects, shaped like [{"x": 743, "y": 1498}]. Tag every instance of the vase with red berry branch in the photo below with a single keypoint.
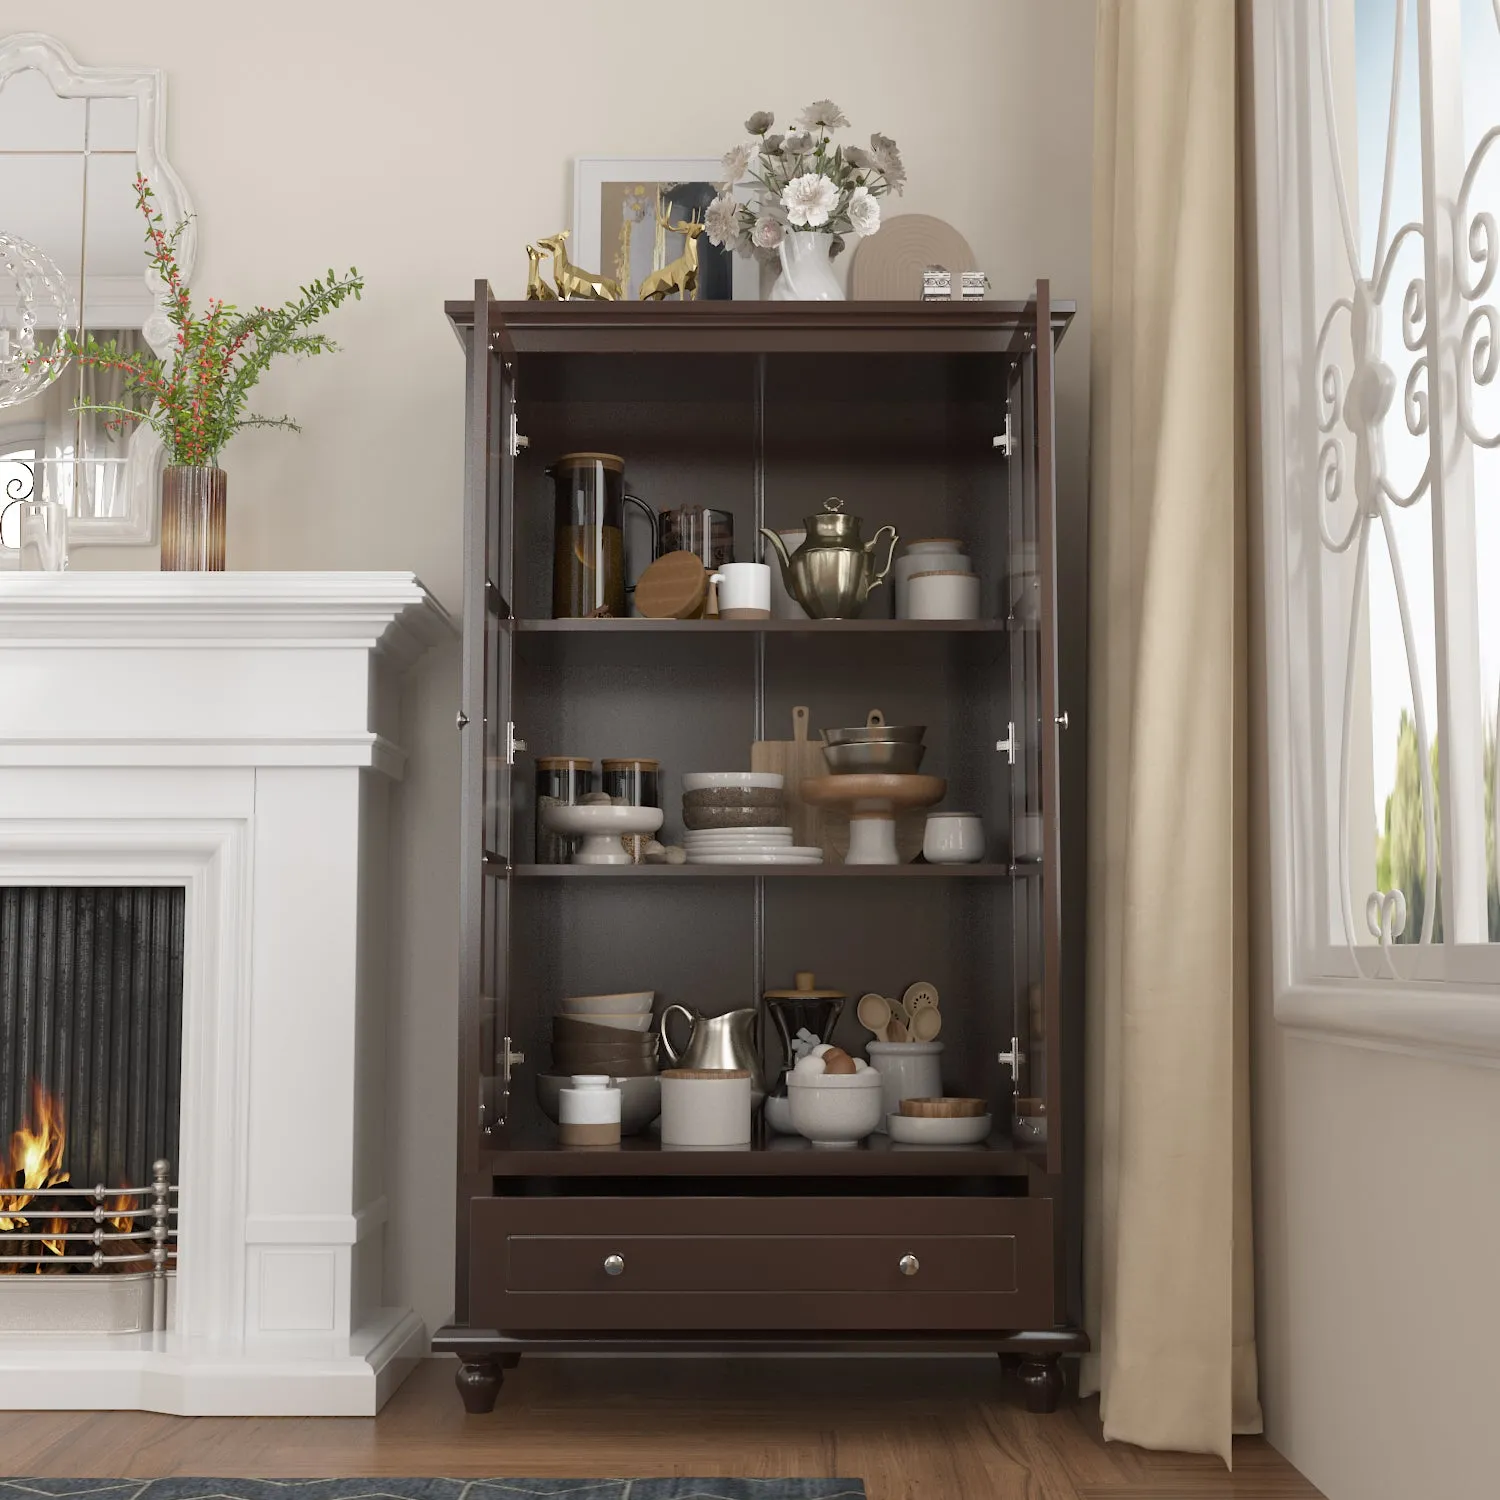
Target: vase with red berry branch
[{"x": 197, "y": 398}]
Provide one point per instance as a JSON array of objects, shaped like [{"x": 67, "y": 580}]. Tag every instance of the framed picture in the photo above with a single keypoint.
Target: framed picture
[{"x": 623, "y": 208}]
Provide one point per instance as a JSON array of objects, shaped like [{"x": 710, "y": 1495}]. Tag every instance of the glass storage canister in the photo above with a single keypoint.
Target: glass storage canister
[
  {"x": 588, "y": 548},
  {"x": 560, "y": 780},
  {"x": 632, "y": 782}
]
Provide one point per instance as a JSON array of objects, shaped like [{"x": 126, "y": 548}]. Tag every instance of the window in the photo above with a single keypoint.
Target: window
[
  {"x": 1377, "y": 138},
  {"x": 20, "y": 472}
]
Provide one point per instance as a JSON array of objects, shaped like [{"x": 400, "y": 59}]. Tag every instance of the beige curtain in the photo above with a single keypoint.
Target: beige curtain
[{"x": 1168, "y": 1252}]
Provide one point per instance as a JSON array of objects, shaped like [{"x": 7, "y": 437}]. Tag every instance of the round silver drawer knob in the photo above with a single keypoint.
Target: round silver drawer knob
[
  {"x": 614, "y": 1265},
  {"x": 910, "y": 1265}
]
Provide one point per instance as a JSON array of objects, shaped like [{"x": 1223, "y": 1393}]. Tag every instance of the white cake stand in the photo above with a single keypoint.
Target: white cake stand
[{"x": 601, "y": 827}]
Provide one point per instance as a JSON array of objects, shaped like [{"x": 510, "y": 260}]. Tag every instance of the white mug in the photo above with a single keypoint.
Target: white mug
[
  {"x": 942, "y": 595},
  {"x": 953, "y": 838},
  {"x": 744, "y": 591}
]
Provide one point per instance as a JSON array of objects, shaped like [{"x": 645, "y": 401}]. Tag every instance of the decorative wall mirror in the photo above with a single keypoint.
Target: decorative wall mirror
[{"x": 72, "y": 140}]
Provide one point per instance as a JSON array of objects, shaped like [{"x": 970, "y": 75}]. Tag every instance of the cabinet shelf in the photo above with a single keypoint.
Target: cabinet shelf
[
  {"x": 767, "y": 627},
  {"x": 775, "y": 872},
  {"x": 532, "y": 1154}
]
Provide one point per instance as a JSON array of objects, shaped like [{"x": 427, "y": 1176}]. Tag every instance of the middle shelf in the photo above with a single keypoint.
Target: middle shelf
[{"x": 767, "y": 872}]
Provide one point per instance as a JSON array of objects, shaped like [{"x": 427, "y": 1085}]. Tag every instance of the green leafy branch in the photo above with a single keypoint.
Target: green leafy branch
[{"x": 197, "y": 401}]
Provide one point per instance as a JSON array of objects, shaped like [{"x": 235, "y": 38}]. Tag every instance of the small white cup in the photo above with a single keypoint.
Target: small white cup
[
  {"x": 744, "y": 591},
  {"x": 942, "y": 595},
  {"x": 953, "y": 838}
]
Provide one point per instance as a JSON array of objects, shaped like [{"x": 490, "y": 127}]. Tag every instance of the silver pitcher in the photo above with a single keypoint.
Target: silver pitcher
[
  {"x": 726, "y": 1041},
  {"x": 832, "y": 573}
]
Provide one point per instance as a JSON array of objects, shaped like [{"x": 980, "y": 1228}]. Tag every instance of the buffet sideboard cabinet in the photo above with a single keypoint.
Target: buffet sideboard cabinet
[{"x": 936, "y": 418}]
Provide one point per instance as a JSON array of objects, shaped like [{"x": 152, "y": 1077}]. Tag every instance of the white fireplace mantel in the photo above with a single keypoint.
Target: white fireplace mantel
[{"x": 236, "y": 734}]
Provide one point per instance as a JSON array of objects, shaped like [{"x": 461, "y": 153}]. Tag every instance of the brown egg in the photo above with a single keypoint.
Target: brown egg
[{"x": 836, "y": 1060}]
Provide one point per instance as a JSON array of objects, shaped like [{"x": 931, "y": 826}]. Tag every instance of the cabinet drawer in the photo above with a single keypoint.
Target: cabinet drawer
[{"x": 761, "y": 1264}]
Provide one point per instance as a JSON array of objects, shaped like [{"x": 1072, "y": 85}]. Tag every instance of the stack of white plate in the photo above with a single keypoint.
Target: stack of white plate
[{"x": 748, "y": 846}]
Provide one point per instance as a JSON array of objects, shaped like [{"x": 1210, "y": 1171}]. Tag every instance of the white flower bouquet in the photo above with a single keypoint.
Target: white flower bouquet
[{"x": 801, "y": 181}]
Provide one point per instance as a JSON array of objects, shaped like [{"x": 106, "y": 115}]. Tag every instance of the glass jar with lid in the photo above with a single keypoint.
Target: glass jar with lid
[
  {"x": 632, "y": 782},
  {"x": 561, "y": 780}
]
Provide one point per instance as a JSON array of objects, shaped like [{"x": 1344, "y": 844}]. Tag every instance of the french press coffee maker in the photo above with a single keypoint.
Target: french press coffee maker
[{"x": 588, "y": 550}]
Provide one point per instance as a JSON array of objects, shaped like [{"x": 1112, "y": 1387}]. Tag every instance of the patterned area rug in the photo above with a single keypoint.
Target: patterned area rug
[{"x": 433, "y": 1489}]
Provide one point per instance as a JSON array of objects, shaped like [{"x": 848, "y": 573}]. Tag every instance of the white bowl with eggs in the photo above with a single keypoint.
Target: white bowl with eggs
[{"x": 834, "y": 1110}]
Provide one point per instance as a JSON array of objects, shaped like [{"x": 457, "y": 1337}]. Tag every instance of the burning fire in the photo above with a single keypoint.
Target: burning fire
[
  {"x": 35, "y": 1165},
  {"x": 36, "y": 1154}
]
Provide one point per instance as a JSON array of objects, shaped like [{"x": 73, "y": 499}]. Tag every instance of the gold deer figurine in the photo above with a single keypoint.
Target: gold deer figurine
[
  {"x": 680, "y": 275},
  {"x": 572, "y": 281},
  {"x": 537, "y": 290}
]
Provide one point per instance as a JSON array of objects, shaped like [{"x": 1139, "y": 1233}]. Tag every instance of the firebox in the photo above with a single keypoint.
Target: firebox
[{"x": 91, "y": 982}]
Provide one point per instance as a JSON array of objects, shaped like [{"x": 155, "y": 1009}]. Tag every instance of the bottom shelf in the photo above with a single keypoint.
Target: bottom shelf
[{"x": 527, "y": 1152}]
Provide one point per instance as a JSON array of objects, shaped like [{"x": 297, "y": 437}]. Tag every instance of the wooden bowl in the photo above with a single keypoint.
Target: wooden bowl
[
  {"x": 943, "y": 1109},
  {"x": 574, "y": 1029},
  {"x": 574, "y": 1060}
]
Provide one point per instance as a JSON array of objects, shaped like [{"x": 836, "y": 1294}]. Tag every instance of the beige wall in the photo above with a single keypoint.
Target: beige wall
[
  {"x": 1379, "y": 1238},
  {"x": 425, "y": 144}
]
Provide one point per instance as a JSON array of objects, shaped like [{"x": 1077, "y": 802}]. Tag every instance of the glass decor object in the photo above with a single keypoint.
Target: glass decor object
[
  {"x": 192, "y": 518},
  {"x": 37, "y": 310},
  {"x": 44, "y": 537}
]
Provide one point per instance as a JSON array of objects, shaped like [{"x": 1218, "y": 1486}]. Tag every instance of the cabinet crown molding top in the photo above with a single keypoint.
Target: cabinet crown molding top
[{"x": 390, "y": 612}]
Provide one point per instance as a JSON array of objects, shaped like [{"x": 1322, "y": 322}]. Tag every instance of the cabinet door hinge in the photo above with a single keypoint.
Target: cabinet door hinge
[
  {"x": 518, "y": 440},
  {"x": 1007, "y": 746},
  {"x": 512, "y": 744},
  {"x": 1013, "y": 1060},
  {"x": 1005, "y": 441}
]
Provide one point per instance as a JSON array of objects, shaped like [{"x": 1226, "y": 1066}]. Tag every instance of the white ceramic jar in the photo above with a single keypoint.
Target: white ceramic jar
[
  {"x": 908, "y": 1070},
  {"x": 705, "y": 1107},
  {"x": 925, "y": 555},
  {"x": 588, "y": 1111},
  {"x": 942, "y": 595},
  {"x": 953, "y": 838}
]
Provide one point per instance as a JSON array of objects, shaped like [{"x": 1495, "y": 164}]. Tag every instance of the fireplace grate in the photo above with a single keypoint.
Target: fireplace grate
[{"x": 123, "y": 1233}]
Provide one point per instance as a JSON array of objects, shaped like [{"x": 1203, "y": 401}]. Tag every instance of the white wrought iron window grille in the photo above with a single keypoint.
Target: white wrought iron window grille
[{"x": 1377, "y": 188}]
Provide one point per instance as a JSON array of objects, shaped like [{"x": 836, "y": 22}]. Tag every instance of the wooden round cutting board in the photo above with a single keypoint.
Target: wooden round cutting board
[
  {"x": 888, "y": 266},
  {"x": 674, "y": 587}
]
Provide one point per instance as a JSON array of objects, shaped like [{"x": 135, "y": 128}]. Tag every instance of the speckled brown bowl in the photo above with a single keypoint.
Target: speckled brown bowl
[
  {"x": 735, "y": 796},
  {"x": 696, "y": 819}
]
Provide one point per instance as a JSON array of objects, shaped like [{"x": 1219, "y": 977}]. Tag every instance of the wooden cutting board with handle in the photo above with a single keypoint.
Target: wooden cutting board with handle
[{"x": 795, "y": 759}]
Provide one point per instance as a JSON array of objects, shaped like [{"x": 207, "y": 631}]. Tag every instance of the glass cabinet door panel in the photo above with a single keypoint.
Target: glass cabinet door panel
[{"x": 1034, "y": 1060}]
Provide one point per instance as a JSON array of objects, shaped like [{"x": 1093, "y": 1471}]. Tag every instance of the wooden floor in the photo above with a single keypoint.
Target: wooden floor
[{"x": 911, "y": 1429}]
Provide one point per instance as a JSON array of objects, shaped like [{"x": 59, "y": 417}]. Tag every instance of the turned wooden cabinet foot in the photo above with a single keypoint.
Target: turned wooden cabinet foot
[
  {"x": 1041, "y": 1378},
  {"x": 479, "y": 1381}
]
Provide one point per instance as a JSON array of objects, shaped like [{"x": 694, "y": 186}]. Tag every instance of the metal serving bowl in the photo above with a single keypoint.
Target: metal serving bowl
[
  {"x": 891, "y": 758},
  {"x": 882, "y": 734}
]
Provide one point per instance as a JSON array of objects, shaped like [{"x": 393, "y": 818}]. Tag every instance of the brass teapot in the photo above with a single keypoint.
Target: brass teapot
[{"x": 832, "y": 573}]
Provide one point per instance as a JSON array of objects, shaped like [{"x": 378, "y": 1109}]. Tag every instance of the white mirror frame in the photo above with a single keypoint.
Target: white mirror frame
[{"x": 148, "y": 88}]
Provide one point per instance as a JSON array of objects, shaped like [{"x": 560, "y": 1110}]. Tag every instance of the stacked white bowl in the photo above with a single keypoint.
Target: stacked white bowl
[
  {"x": 935, "y": 580},
  {"x": 735, "y": 818}
]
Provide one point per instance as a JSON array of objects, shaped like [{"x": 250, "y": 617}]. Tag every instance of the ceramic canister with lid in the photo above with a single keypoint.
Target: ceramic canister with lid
[
  {"x": 908, "y": 1070},
  {"x": 925, "y": 555},
  {"x": 588, "y": 1111},
  {"x": 705, "y": 1107}
]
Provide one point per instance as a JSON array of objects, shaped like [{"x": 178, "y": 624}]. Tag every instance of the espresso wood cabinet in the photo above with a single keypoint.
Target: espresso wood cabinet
[{"x": 938, "y": 418}]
